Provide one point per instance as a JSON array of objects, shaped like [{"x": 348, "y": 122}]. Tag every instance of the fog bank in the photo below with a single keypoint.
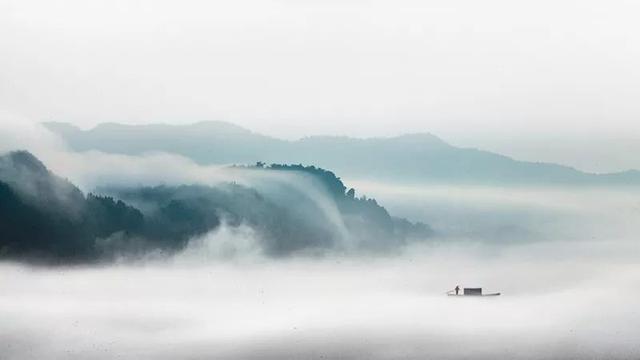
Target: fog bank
[
  {"x": 570, "y": 296},
  {"x": 346, "y": 308}
]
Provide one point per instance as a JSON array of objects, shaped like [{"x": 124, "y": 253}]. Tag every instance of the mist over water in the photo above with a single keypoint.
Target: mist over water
[
  {"x": 513, "y": 214},
  {"x": 568, "y": 289}
]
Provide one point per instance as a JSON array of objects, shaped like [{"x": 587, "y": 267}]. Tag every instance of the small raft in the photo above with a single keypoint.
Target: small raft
[{"x": 471, "y": 292}]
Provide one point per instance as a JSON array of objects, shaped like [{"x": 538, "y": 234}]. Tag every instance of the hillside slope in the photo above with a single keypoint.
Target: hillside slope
[{"x": 46, "y": 218}]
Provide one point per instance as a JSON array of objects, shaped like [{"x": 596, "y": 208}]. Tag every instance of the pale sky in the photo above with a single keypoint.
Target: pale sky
[{"x": 461, "y": 69}]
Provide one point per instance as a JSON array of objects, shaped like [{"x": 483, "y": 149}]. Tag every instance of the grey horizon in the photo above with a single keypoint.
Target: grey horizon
[{"x": 410, "y": 158}]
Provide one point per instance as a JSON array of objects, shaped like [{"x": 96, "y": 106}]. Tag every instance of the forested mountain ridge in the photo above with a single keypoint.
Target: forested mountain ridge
[{"x": 46, "y": 218}]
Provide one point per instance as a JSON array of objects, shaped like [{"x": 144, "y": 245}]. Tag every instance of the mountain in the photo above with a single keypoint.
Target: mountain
[
  {"x": 416, "y": 158},
  {"x": 205, "y": 142},
  {"x": 48, "y": 219}
]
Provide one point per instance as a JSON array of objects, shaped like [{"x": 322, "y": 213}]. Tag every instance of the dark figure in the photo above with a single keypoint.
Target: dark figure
[{"x": 457, "y": 289}]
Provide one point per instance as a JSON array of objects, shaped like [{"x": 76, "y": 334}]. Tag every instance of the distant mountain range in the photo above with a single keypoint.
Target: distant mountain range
[{"x": 416, "y": 158}]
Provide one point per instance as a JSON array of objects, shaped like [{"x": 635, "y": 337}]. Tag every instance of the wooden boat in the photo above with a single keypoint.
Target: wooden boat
[{"x": 471, "y": 292}]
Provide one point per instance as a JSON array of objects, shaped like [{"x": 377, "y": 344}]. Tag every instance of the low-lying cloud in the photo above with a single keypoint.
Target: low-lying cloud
[
  {"x": 339, "y": 307},
  {"x": 504, "y": 215}
]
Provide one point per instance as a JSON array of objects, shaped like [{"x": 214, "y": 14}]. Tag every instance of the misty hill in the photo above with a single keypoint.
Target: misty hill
[
  {"x": 46, "y": 218},
  {"x": 408, "y": 158},
  {"x": 205, "y": 142}
]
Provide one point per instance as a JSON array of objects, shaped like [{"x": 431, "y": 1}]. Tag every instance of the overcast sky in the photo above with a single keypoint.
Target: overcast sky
[{"x": 461, "y": 69}]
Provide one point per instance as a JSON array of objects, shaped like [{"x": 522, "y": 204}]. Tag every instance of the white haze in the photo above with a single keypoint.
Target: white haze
[
  {"x": 296, "y": 68},
  {"x": 569, "y": 294},
  {"x": 516, "y": 214},
  {"x": 565, "y": 260},
  {"x": 573, "y": 307}
]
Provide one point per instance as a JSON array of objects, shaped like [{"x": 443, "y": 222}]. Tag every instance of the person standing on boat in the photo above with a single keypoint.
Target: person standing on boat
[{"x": 457, "y": 289}]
